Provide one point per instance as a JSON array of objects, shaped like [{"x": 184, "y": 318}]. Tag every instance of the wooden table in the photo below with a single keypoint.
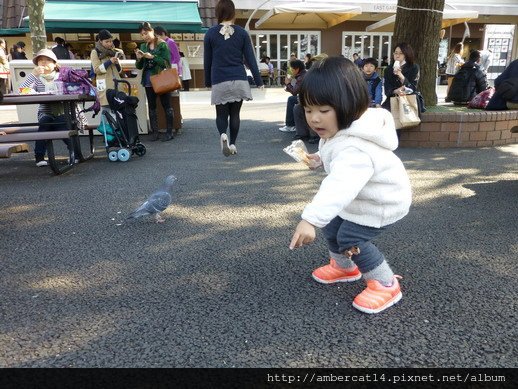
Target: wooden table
[{"x": 28, "y": 131}]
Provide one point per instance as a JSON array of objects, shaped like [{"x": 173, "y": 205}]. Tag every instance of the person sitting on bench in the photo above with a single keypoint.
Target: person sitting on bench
[
  {"x": 51, "y": 117},
  {"x": 469, "y": 81},
  {"x": 299, "y": 71}
]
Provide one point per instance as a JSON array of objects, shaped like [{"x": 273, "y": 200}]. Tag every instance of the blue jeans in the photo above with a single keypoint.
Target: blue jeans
[
  {"x": 303, "y": 128},
  {"x": 341, "y": 235},
  {"x": 290, "y": 119},
  {"x": 50, "y": 123}
]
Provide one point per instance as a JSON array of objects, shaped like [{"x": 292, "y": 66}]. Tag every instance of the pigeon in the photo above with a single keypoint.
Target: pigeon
[{"x": 157, "y": 202}]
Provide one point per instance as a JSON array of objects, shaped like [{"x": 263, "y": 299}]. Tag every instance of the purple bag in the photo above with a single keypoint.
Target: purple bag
[
  {"x": 76, "y": 82},
  {"x": 481, "y": 100}
]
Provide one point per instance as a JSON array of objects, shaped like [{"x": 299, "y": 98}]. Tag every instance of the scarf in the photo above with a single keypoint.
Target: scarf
[
  {"x": 103, "y": 51},
  {"x": 48, "y": 78},
  {"x": 56, "y": 109},
  {"x": 226, "y": 30}
]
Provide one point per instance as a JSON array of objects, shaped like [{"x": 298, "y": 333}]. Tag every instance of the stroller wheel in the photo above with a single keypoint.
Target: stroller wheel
[
  {"x": 124, "y": 155},
  {"x": 140, "y": 149},
  {"x": 112, "y": 156}
]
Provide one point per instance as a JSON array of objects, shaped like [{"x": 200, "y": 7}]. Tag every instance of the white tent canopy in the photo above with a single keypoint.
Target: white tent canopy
[
  {"x": 450, "y": 17},
  {"x": 307, "y": 15}
]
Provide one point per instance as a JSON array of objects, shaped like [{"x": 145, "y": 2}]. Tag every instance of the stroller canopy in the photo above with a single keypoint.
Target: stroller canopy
[{"x": 119, "y": 100}]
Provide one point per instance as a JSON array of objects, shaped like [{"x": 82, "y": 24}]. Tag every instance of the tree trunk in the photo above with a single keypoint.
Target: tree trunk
[
  {"x": 421, "y": 29},
  {"x": 37, "y": 24}
]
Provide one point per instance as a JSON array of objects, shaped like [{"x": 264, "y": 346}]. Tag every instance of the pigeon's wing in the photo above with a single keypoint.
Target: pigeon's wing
[
  {"x": 156, "y": 203},
  {"x": 159, "y": 201}
]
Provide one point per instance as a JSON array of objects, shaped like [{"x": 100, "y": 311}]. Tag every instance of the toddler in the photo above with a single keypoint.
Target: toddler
[
  {"x": 367, "y": 188},
  {"x": 373, "y": 81}
]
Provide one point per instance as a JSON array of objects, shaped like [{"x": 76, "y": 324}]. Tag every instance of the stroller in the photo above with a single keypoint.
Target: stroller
[{"x": 120, "y": 127}]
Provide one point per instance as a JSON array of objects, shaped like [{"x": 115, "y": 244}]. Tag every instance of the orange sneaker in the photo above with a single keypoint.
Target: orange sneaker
[
  {"x": 331, "y": 273},
  {"x": 376, "y": 297}
]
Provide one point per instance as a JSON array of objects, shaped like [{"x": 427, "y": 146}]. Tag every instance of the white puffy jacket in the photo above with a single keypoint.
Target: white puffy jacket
[{"x": 367, "y": 183}]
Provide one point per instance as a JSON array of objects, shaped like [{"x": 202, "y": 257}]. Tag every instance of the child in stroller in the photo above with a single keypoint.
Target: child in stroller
[{"x": 121, "y": 134}]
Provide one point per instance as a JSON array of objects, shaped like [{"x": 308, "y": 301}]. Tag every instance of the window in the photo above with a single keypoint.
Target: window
[
  {"x": 376, "y": 45},
  {"x": 278, "y": 45}
]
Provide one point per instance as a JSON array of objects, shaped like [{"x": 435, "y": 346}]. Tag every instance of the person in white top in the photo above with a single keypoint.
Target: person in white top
[
  {"x": 454, "y": 63},
  {"x": 367, "y": 189},
  {"x": 186, "y": 72}
]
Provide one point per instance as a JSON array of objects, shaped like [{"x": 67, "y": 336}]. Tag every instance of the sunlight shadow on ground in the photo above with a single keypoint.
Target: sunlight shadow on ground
[
  {"x": 71, "y": 334},
  {"x": 101, "y": 273}
]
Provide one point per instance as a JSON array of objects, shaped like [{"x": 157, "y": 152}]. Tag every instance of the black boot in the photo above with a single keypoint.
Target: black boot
[
  {"x": 153, "y": 121},
  {"x": 169, "y": 120}
]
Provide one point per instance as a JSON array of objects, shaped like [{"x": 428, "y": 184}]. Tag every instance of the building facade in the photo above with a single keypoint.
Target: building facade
[
  {"x": 367, "y": 30},
  {"x": 488, "y": 27}
]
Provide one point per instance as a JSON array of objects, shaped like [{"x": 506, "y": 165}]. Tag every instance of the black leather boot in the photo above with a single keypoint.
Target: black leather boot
[
  {"x": 169, "y": 120},
  {"x": 153, "y": 121}
]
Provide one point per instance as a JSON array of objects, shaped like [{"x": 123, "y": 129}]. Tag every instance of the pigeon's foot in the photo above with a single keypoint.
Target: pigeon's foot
[{"x": 159, "y": 218}]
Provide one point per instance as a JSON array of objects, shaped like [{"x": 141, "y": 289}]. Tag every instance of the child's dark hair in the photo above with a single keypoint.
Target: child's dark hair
[
  {"x": 225, "y": 10},
  {"x": 297, "y": 64},
  {"x": 339, "y": 83},
  {"x": 474, "y": 56},
  {"x": 371, "y": 61}
]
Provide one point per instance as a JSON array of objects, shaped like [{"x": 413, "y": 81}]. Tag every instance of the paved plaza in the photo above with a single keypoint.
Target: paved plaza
[{"x": 216, "y": 285}]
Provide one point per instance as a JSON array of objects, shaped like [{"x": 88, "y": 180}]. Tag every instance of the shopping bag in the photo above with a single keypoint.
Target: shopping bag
[
  {"x": 481, "y": 100},
  {"x": 405, "y": 111},
  {"x": 166, "y": 81}
]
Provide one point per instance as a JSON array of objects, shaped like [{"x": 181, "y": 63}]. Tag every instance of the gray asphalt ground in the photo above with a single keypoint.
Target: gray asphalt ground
[{"x": 216, "y": 285}]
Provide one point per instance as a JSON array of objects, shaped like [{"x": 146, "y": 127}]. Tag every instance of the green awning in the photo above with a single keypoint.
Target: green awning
[
  {"x": 77, "y": 16},
  {"x": 13, "y": 31}
]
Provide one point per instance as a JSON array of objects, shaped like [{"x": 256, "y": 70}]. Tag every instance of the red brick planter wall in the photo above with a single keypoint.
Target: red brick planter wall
[{"x": 462, "y": 129}]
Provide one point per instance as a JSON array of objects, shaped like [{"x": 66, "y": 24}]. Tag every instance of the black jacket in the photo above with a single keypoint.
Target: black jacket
[
  {"x": 61, "y": 52},
  {"x": 18, "y": 55},
  {"x": 467, "y": 83},
  {"x": 391, "y": 81},
  {"x": 497, "y": 102},
  {"x": 294, "y": 89}
]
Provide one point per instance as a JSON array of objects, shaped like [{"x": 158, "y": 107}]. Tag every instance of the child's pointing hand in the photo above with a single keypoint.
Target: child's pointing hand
[{"x": 304, "y": 234}]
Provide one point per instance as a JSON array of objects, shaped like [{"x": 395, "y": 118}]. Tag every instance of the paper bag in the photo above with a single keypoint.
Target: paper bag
[{"x": 405, "y": 111}]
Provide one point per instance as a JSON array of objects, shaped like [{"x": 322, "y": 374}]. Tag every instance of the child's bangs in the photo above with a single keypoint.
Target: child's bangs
[{"x": 316, "y": 89}]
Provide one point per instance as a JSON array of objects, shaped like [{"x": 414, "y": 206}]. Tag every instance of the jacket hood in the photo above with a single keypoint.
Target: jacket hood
[
  {"x": 471, "y": 65},
  {"x": 376, "y": 125}
]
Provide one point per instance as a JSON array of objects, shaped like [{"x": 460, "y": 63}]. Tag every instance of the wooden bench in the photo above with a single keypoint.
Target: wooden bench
[
  {"x": 23, "y": 132},
  {"x": 18, "y": 133},
  {"x": 7, "y": 148},
  {"x": 15, "y": 128},
  {"x": 25, "y": 136}
]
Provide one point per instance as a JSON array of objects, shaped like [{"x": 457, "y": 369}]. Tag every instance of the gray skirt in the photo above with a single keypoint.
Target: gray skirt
[{"x": 230, "y": 91}]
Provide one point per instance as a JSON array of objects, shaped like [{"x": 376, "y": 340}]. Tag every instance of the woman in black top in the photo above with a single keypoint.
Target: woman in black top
[
  {"x": 401, "y": 74},
  {"x": 17, "y": 52}
]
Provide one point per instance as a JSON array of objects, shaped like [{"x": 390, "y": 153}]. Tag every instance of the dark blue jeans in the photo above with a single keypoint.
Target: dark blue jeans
[
  {"x": 303, "y": 128},
  {"x": 341, "y": 235},
  {"x": 290, "y": 119},
  {"x": 50, "y": 123}
]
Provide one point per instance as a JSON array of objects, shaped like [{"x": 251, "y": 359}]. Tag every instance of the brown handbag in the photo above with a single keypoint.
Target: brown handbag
[{"x": 166, "y": 81}]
